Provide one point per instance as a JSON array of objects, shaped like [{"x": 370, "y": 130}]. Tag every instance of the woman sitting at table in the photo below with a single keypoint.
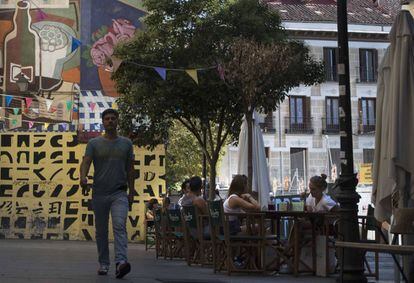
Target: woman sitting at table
[
  {"x": 318, "y": 201},
  {"x": 239, "y": 201}
]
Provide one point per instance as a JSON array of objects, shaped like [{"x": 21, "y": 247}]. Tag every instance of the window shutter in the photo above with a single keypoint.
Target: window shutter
[
  {"x": 360, "y": 126},
  {"x": 336, "y": 52},
  {"x": 362, "y": 66},
  {"x": 307, "y": 112},
  {"x": 327, "y": 63},
  {"x": 375, "y": 62}
]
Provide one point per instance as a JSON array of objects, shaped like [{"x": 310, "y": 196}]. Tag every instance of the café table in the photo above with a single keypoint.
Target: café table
[{"x": 300, "y": 216}]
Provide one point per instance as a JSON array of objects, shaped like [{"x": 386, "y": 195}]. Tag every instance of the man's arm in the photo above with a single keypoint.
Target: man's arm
[{"x": 84, "y": 169}]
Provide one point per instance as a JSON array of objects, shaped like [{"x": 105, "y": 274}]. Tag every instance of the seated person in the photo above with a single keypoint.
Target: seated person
[
  {"x": 185, "y": 188},
  {"x": 318, "y": 201},
  {"x": 239, "y": 201},
  {"x": 151, "y": 205}
]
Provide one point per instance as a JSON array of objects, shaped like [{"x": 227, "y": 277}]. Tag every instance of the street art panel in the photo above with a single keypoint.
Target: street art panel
[
  {"x": 40, "y": 57},
  {"x": 103, "y": 27},
  {"x": 40, "y": 196}
]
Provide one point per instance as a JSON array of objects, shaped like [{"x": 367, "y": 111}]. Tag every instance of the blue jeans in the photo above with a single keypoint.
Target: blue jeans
[{"x": 117, "y": 205}]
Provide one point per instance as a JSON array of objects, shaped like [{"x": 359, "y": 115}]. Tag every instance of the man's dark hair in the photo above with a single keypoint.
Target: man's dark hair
[
  {"x": 195, "y": 184},
  {"x": 110, "y": 111},
  {"x": 184, "y": 184}
]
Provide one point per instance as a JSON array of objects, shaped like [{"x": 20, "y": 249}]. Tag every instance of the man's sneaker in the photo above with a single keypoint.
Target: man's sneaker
[
  {"x": 122, "y": 269},
  {"x": 103, "y": 270}
]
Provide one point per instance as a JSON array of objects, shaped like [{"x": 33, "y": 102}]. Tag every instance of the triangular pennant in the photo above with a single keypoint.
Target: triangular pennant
[
  {"x": 48, "y": 104},
  {"x": 28, "y": 101},
  {"x": 92, "y": 105},
  {"x": 116, "y": 62},
  {"x": 8, "y": 100},
  {"x": 75, "y": 44},
  {"x": 63, "y": 127},
  {"x": 114, "y": 105},
  {"x": 46, "y": 126},
  {"x": 15, "y": 121},
  {"x": 31, "y": 123},
  {"x": 35, "y": 110},
  {"x": 69, "y": 104},
  {"x": 193, "y": 74},
  {"x": 41, "y": 15},
  {"x": 16, "y": 111},
  {"x": 162, "y": 72}
]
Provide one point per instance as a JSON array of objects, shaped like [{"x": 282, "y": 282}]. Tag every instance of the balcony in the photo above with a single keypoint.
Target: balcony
[
  {"x": 366, "y": 126},
  {"x": 330, "y": 126},
  {"x": 298, "y": 125}
]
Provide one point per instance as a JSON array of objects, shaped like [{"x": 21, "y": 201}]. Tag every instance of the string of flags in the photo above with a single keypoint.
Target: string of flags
[{"x": 162, "y": 71}]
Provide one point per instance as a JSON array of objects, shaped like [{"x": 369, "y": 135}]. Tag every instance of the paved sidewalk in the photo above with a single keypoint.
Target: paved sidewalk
[{"x": 41, "y": 261}]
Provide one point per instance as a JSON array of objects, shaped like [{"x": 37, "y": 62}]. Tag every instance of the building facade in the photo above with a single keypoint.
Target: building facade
[{"x": 302, "y": 136}]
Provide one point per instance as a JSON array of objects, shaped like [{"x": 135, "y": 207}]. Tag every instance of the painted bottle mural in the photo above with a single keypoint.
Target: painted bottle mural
[{"x": 22, "y": 51}]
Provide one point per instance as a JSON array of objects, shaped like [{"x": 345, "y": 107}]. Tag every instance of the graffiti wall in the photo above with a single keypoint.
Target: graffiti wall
[
  {"x": 105, "y": 23},
  {"x": 40, "y": 196},
  {"x": 40, "y": 60}
]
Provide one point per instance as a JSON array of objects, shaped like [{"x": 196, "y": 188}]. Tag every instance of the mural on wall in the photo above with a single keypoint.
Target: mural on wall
[
  {"x": 107, "y": 24},
  {"x": 39, "y": 47},
  {"x": 40, "y": 196}
]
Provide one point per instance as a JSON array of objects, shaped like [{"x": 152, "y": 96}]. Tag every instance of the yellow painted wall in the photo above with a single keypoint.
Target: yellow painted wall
[{"x": 40, "y": 196}]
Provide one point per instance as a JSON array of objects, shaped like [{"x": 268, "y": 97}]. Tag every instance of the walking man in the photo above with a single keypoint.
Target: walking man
[{"x": 112, "y": 158}]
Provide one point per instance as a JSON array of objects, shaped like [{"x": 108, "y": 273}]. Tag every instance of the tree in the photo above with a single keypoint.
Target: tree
[
  {"x": 189, "y": 35},
  {"x": 183, "y": 156},
  {"x": 264, "y": 73}
]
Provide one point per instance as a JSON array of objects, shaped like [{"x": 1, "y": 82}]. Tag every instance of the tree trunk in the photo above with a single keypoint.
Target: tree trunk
[
  {"x": 213, "y": 174},
  {"x": 249, "y": 120}
]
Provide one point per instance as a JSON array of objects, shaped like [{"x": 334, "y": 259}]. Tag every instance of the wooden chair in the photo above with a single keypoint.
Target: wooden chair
[
  {"x": 174, "y": 237},
  {"x": 160, "y": 232},
  {"x": 149, "y": 230},
  {"x": 216, "y": 221},
  {"x": 191, "y": 233}
]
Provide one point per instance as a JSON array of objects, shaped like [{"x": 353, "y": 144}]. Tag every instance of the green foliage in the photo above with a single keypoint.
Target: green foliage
[
  {"x": 184, "y": 156},
  {"x": 191, "y": 34}
]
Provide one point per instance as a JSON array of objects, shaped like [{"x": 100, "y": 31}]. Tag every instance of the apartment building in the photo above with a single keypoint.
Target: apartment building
[{"x": 301, "y": 137}]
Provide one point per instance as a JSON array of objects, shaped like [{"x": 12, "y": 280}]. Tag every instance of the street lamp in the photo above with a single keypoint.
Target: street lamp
[{"x": 353, "y": 265}]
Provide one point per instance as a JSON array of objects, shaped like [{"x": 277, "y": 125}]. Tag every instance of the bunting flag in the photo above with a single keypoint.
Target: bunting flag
[
  {"x": 220, "y": 70},
  {"x": 15, "y": 121},
  {"x": 75, "y": 44},
  {"x": 193, "y": 74},
  {"x": 16, "y": 111},
  {"x": 31, "y": 123},
  {"x": 162, "y": 72},
  {"x": 92, "y": 105},
  {"x": 69, "y": 104},
  {"x": 48, "y": 104},
  {"x": 28, "y": 101},
  {"x": 116, "y": 62},
  {"x": 46, "y": 126},
  {"x": 63, "y": 126},
  {"x": 8, "y": 100},
  {"x": 35, "y": 110},
  {"x": 115, "y": 106},
  {"x": 41, "y": 15}
]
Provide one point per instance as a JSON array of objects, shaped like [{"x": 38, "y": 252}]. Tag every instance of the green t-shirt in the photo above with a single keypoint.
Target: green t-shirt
[{"x": 111, "y": 160}]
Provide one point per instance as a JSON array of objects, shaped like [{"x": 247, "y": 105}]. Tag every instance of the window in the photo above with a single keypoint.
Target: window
[
  {"x": 91, "y": 115},
  {"x": 330, "y": 58},
  {"x": 368, "y": 64},
  {"x": 299, "y": 110},
  {"x": 367, "y": 115},
  {"x": 332, "y": 115}
]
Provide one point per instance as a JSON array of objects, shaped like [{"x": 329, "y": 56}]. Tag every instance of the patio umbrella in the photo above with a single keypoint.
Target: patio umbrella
[
  {"x": 394, "y": 136},
  {"x": 260, "y": 180}
]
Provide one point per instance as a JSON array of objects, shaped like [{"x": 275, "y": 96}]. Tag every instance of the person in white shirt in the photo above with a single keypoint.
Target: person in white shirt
[{"x": 318, "y": 201}]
